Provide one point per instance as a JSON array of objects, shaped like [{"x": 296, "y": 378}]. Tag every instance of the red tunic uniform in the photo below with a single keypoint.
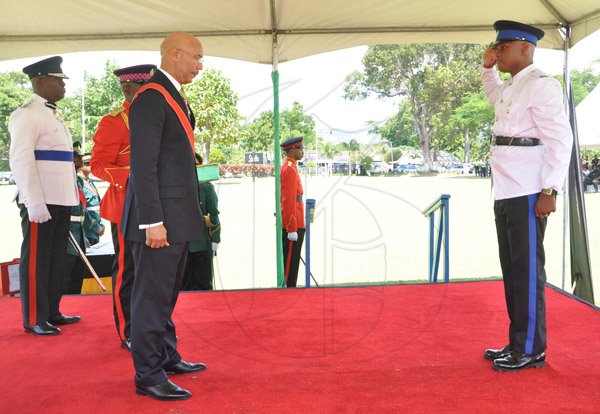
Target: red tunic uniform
[
  {"x": 292, "y": 206},
  {"x": 110, "y": 160}
]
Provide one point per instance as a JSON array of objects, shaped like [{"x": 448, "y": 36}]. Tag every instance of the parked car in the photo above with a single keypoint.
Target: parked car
[
  {"x": 379, "y": 167},
  {"x": 6, "y": 176},
  {"x": 407, "y": 168}
]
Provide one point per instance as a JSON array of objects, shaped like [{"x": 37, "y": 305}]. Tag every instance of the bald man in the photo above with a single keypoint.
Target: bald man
[{"x": 162, "y": 215}]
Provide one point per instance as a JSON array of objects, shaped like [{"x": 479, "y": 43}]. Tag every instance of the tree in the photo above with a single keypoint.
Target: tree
[
  {"x": 292, "y": 122},
  {"x": 259, "y": 133},
  {"x": 400, "y": 129},
  {"x": 474, "y": 118},
  {"x": 298, "y": 124},
  {"x": 99, "y": 95},
  {"x": 430, "y": 76},
  {"x": 329, "y": 149},
  {"x": 15, "y": 90},
  {"x": 583, "y": 81},
  {"x": 214, "y": 104}
]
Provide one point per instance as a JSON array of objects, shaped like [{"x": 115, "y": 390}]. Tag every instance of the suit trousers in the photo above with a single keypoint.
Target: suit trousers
[
  {"x": 291, "y": 257},
  {"x": 521, "y": 245},
  {"x": 43, "y": 256},
  {"x": 158, "y": 277},
  {"x": 122, "y": 282}
]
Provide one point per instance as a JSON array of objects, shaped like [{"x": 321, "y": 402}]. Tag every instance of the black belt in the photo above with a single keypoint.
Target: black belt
[{"x": 516, "y": 141}]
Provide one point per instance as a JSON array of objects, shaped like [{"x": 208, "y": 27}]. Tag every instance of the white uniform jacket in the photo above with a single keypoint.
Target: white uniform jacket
[
  {"x": 38, "y": 131},
  {"x": 528, "y": 105}
]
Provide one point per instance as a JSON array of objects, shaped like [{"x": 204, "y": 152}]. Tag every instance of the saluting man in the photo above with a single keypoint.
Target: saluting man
[
  {"x": 292, "y": 209},
  {"x": 110, "y": 162},
  {"x": 529, "y": 159},
  {"x": 41, "y": 159}
]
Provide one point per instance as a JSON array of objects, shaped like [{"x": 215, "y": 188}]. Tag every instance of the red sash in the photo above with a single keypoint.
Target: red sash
[{"x": 185, "y": 122}]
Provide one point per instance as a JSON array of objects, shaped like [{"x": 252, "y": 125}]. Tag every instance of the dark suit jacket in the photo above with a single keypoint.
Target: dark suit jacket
[{"x": 163, "y": 185}]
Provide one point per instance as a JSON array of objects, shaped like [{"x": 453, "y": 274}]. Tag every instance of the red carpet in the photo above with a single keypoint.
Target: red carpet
[{"x": 409, "y": 348}]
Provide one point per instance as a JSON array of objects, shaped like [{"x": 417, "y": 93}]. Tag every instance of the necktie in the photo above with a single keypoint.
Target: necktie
[{"x": 185, "y": 100}]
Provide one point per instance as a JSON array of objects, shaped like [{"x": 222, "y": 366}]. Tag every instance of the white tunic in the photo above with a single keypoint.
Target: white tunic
[
  {"x": 34, "y": 126},
  {"x": 528, "y": 105}
]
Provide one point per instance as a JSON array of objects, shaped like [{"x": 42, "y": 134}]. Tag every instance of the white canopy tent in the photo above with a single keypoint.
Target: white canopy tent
[
  {"x": 588, "y": 120},
  {"x": 273, "y": 31},
  {"x": 249, "y": 29}
]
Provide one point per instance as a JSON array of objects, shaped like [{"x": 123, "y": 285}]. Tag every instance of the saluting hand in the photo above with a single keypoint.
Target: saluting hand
[
  {"x": 489, "y": 57},
  {"x": 156, "y": 237}
]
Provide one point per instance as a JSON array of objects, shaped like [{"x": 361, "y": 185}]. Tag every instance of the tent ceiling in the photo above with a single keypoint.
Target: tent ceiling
[{"x": 244, "y": 29}]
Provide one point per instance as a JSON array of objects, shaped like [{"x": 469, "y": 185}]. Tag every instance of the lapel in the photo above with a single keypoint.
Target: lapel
[{"x": 163, "y": 81}]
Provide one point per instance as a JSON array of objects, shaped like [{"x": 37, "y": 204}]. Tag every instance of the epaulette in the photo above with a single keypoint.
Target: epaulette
[
  {"x": 539, "y": 74},
  {"x": 117, "y": 111},
  {"x": 27, "y": 103}
]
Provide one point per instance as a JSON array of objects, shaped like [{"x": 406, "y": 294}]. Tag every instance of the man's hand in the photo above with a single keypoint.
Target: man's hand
[
  {"x": 207, "y": 222},
  {"x": 489, "y": 57},
  {"x": 215, "y": 247},
  {"x": 156, "y": 237},
  {"x": 545, "y": 205},
  {"x": 101, "y": 230},
  {"x": 293, "y": 236},
  {"x": 38, "y": 213}
]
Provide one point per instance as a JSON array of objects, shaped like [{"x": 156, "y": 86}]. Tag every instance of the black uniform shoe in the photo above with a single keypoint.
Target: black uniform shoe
[
  {"x": 164, "y": 391},
  {"x": 61, "y": 319},
  {"x": 126, "y": 344},
  {"x": 518, "y": 362},
  {"x": 492, "y": 354},
  {"x": 42, "y": 329},
  {"x": 183, "y": 367}
]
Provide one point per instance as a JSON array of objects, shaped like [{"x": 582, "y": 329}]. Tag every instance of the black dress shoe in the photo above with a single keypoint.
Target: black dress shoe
[
  {"x": 492, "y": 354},
  {"x": 42, "y": 329},
  {"x": 518, "y": 362},
  {"x": 164, "y": 391},
  {"x": 183, "y": 367},
  {"x": 61, "y": 319},
  {"x": 126, "y": 344}
]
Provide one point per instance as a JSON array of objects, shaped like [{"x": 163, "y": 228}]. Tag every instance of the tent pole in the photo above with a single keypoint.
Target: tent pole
[
  {"x": 277, "y": 156},
  {"x": 566, "y": 215},
  {"x": 580, "y": 266}
]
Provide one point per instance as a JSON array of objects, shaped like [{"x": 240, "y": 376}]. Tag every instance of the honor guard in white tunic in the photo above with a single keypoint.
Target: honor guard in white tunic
[
  {"x": 530, "y": 154},
  {"x": 41, "y": 160}
]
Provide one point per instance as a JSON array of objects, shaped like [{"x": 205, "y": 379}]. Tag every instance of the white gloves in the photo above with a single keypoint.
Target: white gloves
[
  {"x": 38, "y": 213},
  {"x": 293, "y": 236},
  {"x": 215, "y": 247}
]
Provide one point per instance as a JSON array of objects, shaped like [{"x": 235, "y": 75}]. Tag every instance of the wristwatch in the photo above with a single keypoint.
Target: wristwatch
[{"x": 549, "y": 191}]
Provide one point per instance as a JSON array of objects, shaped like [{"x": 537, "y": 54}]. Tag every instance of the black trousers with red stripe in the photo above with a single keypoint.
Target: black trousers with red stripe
[
  {"x": 43, "y": 256},
  {"x": 291, "y": 257},
  {"x": 122, "y": 282}
]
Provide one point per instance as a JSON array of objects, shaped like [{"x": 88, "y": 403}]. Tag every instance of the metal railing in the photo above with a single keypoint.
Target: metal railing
[{"x": 441, "y": 204}]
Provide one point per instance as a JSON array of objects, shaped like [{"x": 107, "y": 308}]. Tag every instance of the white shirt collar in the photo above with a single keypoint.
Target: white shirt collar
[{"x": 172, "y": 79}]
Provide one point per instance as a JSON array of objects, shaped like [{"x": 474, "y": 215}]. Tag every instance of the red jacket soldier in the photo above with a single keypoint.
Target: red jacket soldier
[
  {"x": 292, "y": 209},
  {"x": 110, "y": 161}
]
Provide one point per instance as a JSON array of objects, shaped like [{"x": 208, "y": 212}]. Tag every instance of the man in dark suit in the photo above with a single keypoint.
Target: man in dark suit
[{"x": 161, "y": 214}]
